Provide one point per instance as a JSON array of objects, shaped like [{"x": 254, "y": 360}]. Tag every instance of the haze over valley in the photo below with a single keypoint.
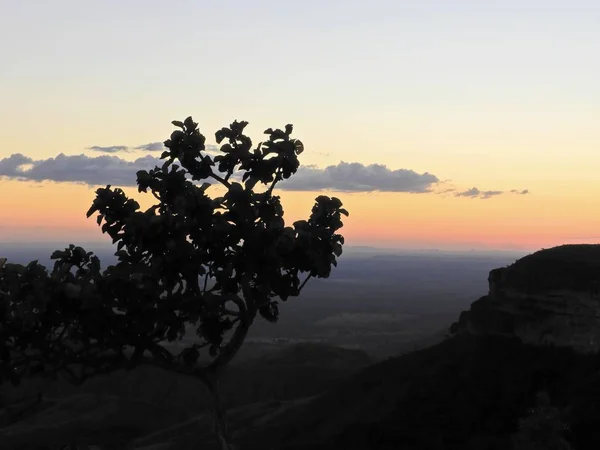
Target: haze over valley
[{"x": 384, "y": 301}]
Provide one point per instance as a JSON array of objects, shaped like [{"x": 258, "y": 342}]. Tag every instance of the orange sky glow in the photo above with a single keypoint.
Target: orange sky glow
[{"x": 46, "y": 212}]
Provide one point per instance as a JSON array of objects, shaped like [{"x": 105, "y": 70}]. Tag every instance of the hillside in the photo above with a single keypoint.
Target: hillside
[
  {"x": 536, "y": 332},
  {"x": 549, "y": 297},
  {"x": 465, "y": 393},
  {"x": 475, "y": 390},
  {"x": 129, "y": 405}
]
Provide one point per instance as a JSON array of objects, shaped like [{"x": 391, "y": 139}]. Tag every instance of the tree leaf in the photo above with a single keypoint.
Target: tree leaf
[{"x": 189, "y": 123}]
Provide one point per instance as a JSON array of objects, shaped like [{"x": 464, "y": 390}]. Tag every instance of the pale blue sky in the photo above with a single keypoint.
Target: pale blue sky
[
  {"x": 497, "y": 95},
  {"x": 419, "y": 72}
]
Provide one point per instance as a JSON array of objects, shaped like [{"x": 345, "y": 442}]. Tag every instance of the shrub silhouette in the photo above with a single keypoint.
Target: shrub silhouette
[
  {"x": 191, "y": 262},
  {"x": 542, "y": 429}
]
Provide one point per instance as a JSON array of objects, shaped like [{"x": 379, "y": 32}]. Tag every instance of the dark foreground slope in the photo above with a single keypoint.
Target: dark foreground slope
[
  {"x": 465, "y": 393},
  {"x": 125, "y": 406},
  {"x": 473, "y": 390}
]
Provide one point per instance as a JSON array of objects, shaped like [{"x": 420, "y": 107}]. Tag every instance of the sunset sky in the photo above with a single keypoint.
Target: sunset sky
[{"x": 438, "y": 123}]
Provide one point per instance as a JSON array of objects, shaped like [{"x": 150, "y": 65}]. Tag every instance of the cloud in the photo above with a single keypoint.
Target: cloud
[
  {"x": 8, "y": 166},
  {"x": 356, "y": 177},
  {"x": 151, "y": 147},
  {"x": 473, "y": 192},
  {"x": 98, "y": 170},
  {"x": 159, "y": 146},
  {"x": 344, "y": 177},
  {"x": 107, "y": 169},
  {"x": 476, "y": 193},
  {"x": 109, "y": 149},
  {"x": 490, "y": 194}
]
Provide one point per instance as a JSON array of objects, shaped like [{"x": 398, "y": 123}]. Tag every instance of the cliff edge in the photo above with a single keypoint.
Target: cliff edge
[{"x": 548, "y": 297}]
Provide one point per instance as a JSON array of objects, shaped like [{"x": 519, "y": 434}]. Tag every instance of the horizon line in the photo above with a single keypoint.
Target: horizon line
[{"x": 397, "y": 248}]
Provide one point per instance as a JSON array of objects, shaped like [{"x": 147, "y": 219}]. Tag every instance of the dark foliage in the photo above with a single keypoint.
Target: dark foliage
[{"x": 191, "y": 261}]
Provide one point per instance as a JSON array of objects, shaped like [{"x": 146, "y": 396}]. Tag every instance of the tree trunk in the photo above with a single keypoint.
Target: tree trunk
[
  {"x": 212, "y": 375},
  {"x": 218, "y": 414}
]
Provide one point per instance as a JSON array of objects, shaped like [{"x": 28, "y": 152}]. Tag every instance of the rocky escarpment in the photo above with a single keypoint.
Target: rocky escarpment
[{"x": 548, "y": 297}]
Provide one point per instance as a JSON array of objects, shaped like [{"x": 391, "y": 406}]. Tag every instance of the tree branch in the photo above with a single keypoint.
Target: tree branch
[
  {"x": 205, "y": 281},
  {"x": 220, "y": 179},
  {"x": 275, "y": 180},
  {"x": 304, "y": 283},
  {"x": 233, "y": 345}
]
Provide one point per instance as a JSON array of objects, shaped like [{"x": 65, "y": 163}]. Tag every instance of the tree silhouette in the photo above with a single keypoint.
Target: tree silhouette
[{"x": 191, "y": 263}]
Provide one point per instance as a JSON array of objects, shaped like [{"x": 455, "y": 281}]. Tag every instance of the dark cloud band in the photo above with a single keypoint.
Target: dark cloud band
[
  {"x": 356, "y": 177},
  {"x": 342, "y": 177},
  {"x": 109, "y": 149},
  {"x": 476, "y": 193},
  {"x": 98, "y": 170},
  {"x": 151, "y": 147}
]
